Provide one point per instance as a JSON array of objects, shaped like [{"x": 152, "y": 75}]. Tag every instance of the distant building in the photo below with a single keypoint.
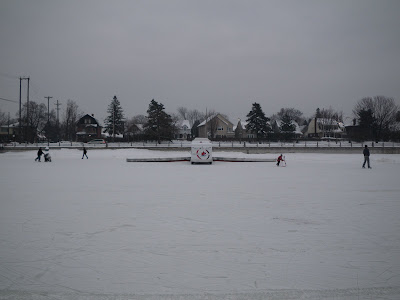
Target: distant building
[
  {"x": 241, "y": 131},
  {"x": 9, "y": 132},
  {"x": 325, "y": 129},
  {"x": 183, "y": 130},
  {"x": 216, "y": 126},
  {"x": 88, "y": 128}
]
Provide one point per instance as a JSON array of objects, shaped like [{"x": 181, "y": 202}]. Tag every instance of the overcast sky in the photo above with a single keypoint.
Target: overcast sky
[{"x": 216, "y": 55}]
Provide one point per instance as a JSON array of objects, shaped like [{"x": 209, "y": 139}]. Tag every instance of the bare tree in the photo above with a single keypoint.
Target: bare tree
[
  {"x": 139, "y": 119},
  {"x": 383, "y": 110},
  {"x": 71, "y": 116},
  {"x": 3, "y": 118},
  {"x": 385, "y": 113},
  {"x": 194, "y": 115},
  {"x": 176, "y": 119},
  {"x": 331, "y": 114},
  {"x": 182, "y": 112},
  {"x": 292, "y": 113},
  {"x": 36, "y": 120},
  {"x": 273, "y": 118}
]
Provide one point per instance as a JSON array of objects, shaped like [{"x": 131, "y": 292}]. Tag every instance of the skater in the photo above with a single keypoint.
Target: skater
[
  {"x": 84, "y": 153},
  {"x": 366, "y": 157},
  {"x": 280, "y": 158},
  {"x": 39, "y": 154}
]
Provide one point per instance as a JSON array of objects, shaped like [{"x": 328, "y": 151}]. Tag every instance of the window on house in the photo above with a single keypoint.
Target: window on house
[{"x": 220, "y": 128}]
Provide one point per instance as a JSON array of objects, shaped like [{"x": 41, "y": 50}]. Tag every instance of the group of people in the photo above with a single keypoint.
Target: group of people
[
  {"x": 47, "y": 156},
  {"x": 365, "y": 153},
  {"x": 281, "y": 158}
]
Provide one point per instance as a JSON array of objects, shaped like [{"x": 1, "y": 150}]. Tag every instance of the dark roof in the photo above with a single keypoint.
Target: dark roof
[{"x": 80, "y": 121}]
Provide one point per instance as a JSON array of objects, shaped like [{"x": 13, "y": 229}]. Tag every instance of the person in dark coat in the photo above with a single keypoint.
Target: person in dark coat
[
  {"x": 85, "y": 153},
  {"x": 366, "y": 157},
  {"x": 39, "y": 154}
]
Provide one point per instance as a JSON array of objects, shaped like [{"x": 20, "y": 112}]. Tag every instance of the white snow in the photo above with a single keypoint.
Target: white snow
[{"x": 103, "y": 228}]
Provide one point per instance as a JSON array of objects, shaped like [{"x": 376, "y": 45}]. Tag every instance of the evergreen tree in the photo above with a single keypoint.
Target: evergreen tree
[
  {"x": 114, "y": 123},
  {"x": 159, "y": 124},
  {"x": 318, "y": 113},
  {"x": 195, "y": 129},
  {"x": 287, "y": 127},
  {"x": 367, "y": 123},
  {"x": 257, "y": 122}
]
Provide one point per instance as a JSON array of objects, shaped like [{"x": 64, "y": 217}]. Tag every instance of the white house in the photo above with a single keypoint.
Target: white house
[
  {"x": 184, "y": 131},
  {"x": 325, "y": 128}
]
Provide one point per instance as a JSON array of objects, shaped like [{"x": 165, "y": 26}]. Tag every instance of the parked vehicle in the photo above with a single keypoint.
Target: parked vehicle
[{"x": 97, "y": 141}]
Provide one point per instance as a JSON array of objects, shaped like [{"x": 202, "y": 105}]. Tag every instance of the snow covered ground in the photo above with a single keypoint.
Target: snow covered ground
[{"x": 103, "y": 228}]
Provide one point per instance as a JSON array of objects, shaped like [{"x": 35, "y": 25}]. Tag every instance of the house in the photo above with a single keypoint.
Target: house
[
  {"x": 88, "y": 128},
  {"x": 216, "y": 126},
  {"x": 276, "y": 128},
  {"x": 325, "y": 129},
  {"x": 134, "y": 132},
  {"x": 241, "y": 131},
  {"x": 9, "y": 132},
  {"x": 184, "y": 130}
]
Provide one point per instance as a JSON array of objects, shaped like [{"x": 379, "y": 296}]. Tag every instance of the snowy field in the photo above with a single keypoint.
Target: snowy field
[{"x": 102, "y": 228}]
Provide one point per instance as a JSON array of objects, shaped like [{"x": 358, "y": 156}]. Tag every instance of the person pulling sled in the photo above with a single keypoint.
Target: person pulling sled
[
  {"x": 39, "y": 154},
  {"x": 280, "y": 158}
]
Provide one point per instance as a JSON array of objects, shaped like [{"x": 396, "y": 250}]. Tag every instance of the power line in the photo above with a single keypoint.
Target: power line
[
  {"x": 9, "y": 100},
  {"x": 8, "y": 75}
]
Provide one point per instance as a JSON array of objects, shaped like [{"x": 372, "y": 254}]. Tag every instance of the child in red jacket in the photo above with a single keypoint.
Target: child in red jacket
[{"x": 280, "y": 158}]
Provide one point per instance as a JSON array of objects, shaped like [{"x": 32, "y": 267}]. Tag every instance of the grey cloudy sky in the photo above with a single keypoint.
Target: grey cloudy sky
[{"x": 220, "y": 55}]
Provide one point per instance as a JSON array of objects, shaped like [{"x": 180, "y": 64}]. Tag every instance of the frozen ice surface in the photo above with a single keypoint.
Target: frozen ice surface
[{"x": 103, "y": 228}]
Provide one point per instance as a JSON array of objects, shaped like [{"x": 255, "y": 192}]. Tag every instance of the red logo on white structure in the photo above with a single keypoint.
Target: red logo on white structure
[{"x": 204, "y": 154}]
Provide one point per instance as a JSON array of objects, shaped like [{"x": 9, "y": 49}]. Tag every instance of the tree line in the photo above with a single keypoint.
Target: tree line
[{"x": 374, "y": 118}]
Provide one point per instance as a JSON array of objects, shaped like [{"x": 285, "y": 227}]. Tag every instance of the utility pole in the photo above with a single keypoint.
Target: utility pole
[
  {"x": 114, "y": 122},
  {"x": 27, "y": 113},
  {"x": 58, "y": 123},
  {"x": 27, "y": 101},
  {"x": 48, "y": 108},
  {"x": 48, "y": 116},
  {"x": 8, "y": 128},
  {"x": 20, "y": 107}
]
